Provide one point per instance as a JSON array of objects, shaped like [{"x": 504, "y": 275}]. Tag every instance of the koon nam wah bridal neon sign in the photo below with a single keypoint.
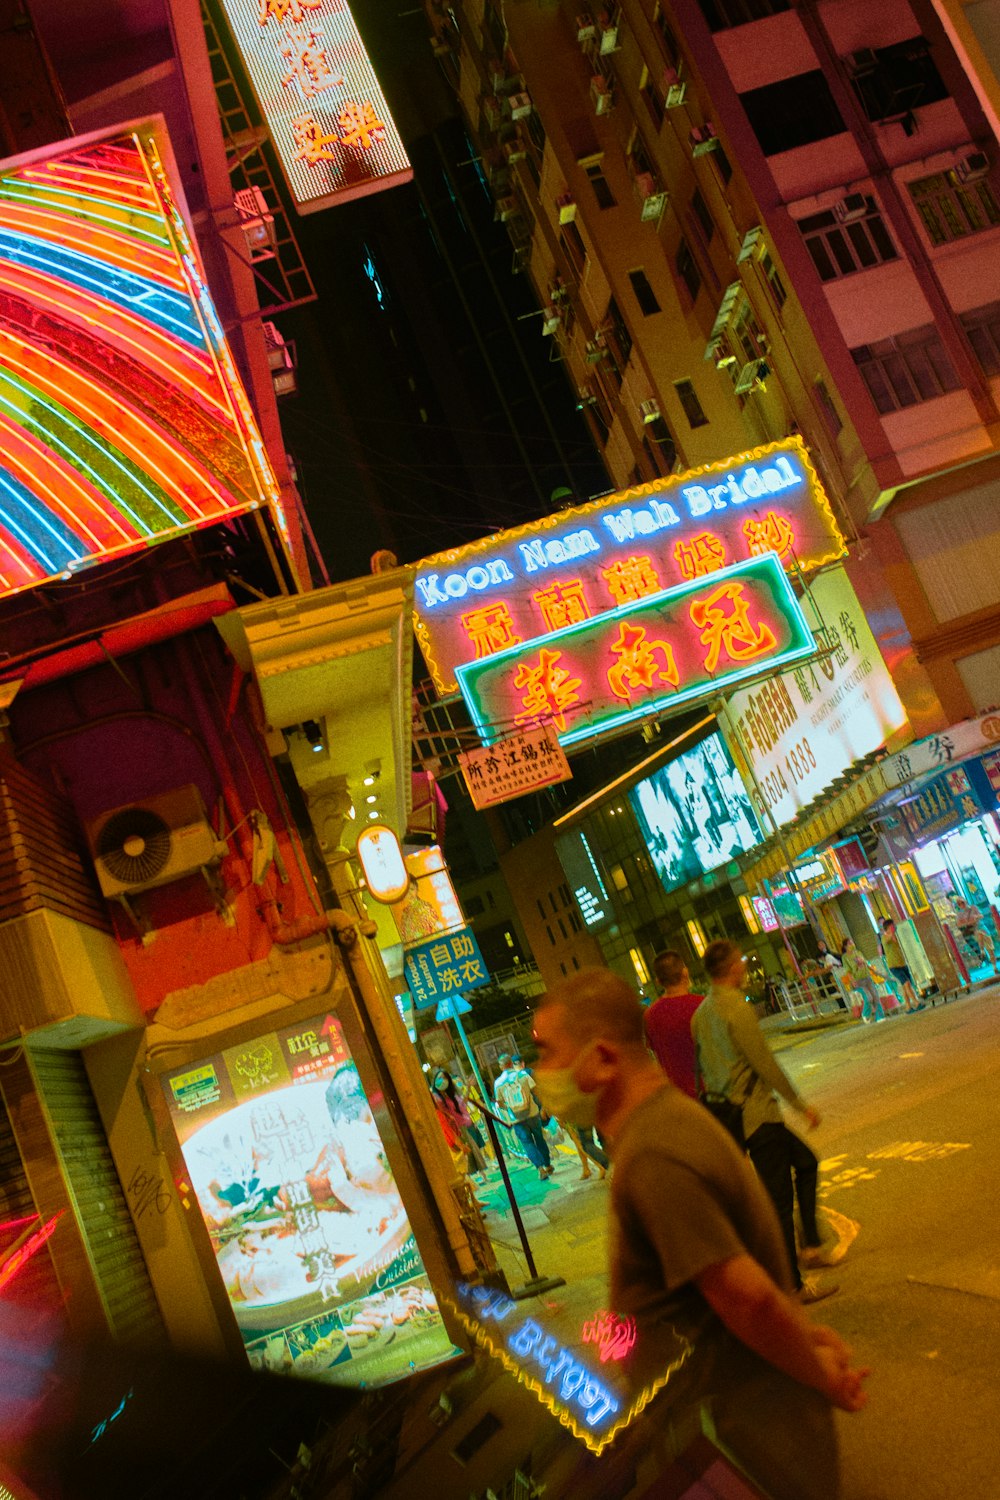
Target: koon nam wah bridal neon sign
[
  {"x": 515, "y": 586},
  {"x": 644, "y": 658}
]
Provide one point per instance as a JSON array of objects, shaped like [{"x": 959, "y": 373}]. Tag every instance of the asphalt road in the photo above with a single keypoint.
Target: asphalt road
[{"x": 909, "y": 1142}]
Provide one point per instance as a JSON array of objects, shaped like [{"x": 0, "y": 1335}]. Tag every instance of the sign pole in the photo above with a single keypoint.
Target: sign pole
[{"x": 468, "y": 1052}]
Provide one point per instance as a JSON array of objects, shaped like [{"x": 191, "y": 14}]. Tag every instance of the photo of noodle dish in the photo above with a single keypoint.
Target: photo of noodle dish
[{"x": 298, "y": 1197}]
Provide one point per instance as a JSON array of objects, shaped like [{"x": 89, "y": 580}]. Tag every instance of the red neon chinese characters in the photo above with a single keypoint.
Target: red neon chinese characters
[
  {"x": 310, "y": 142},
  {"x": 280, "y": 10},
  {"x": 490, "y": 629},
  {"x": 308, "y": 65},
  {"x": 361, "y": 125},
  {"x": 614, "y": 1335},
  {"x": 562, "y": 604},
  {"x": 631, "y": 578},
  {"x": 703, "y": 554},
  {"x": 723, "y": 617},
  {"x": 550, "y": 690},
  {"x": 772, "y": 534},
  {"x": 641, "y": 664}
]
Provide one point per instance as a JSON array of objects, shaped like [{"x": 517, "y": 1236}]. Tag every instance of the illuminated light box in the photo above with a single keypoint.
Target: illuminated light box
[
  {"x": 644, "y": 658},
  {"x": 309, "y": 1231},
  {"x": 122, "y": 417},
  {"x": 479, "y": 600},
  {"x": 321, "y": 99},
  {"x": 694, "y": 813},
  {"x": 792, "y": 736}
]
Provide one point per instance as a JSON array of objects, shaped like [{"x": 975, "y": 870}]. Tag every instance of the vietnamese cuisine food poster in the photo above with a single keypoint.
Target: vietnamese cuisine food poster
[{"x": 309, "y": 1231}]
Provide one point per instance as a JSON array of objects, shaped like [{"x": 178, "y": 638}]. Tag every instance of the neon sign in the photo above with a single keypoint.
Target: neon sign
[
  {"x": 16, "y": 1260},
  {"x": 482, "y": 599},
  {"x": 614, "y": 1335},
  {"x": 321, "y": 99},
  {"x": 122, "y": 416},
  {"x": 642, "y": 658}
]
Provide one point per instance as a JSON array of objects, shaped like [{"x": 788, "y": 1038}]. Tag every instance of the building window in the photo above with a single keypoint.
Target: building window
[
  {"x": 777, "y": 286},
  {"x": 982, "y": 327},
  {"x": 721, "y": 14},
  {"x": 562, "y": 929},
  {"x": 688, "y": 397},
  {"x": 552, "y": 903},
  {"x": 575, "y": 960},
  {"x": 828, "y": 411},
  {"x": 906, "y": 369},
  {"x": 602, "y": 188},
  {"x": 644, "y": 294},
  {"x": 573, "y": 247},
  {"x": 619, "y": 331},
  {"x": 474, "y": 906},
  {"x": 793, "y": 112},
  {"x": 839, "y": 249},
  {"x": 562, "y": 966},
  {"x": 703, "y": 215},
  {"x": 541, "y": 908},
  {"x": 892, "y": 81},
  {"x": 655, "y": 101},
  {"x": 950, "y": 209},
  {"x": 687, "y": 269},
  {"x": 552, "y": 940},
  {"x": 661, "y": 450},
  {"x": 721, "y": 162}
]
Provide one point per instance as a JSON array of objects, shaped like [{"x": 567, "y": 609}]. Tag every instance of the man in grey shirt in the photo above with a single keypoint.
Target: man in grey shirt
[
  {"x": 698, "y": 1258},
  {"x": 736, "y": 1064}
]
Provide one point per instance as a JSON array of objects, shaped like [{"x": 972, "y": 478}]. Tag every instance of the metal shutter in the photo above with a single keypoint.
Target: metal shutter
[{"x": 102, "y": 1213}]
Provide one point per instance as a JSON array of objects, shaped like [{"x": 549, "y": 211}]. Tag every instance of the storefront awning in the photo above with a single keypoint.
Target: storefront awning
[{"x": 811, "y": 828}]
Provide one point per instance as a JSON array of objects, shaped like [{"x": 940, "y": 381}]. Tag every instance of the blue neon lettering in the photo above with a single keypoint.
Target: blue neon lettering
[{"x": 543, "y": 554}]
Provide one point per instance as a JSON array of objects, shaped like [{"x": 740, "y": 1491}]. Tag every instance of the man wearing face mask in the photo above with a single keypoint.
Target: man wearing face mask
[{"x": 697, "y": 1252}]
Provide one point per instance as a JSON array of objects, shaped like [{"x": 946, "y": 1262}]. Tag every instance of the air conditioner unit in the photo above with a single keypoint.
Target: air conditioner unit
[
  {"x": 609, "y": 33},
  {"x": 520, "y": 106},
  {"x": 551, "y": 321},
  {"x": 753, "y": 239},
  {"x": 513, "y": 152},
  {"x": 281, "y": 361},
  {"x": 601, "y": 96},
  {"x": 506, "y": 208},
  {"x": 971, "y": 167},
  {"x": 652, "y": 200},
  {"x": 440, "y": 47},
  {"x": 566, "y": 208},
  {"x": 257, "y": 223},
  {"x": 586, "y": 31},
  {"x": 649, "y": 411},
  {"x": 863, "y": 63},
  {"x": 703, "y": 139},
  {"x": 153, "y": 843},
  {"x": 594, "y": 352},
  {"x": 675, "y": 95},
  {"x": 753, "y": 374},
  {"x": 644, "y": 184},
  {"x": 492, "y": 112},
  {"x": 848, "y": 210}
]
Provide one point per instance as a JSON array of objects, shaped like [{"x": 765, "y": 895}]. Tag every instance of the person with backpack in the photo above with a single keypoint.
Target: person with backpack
[{"x": 514, "y": 1092}]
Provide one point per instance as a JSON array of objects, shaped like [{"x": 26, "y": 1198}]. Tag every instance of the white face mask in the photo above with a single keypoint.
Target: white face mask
[{"x": 562, "y": 1097}]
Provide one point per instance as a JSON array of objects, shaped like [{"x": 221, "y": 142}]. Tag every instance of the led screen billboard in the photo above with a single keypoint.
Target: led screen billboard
[
  {"x": 694, "y": 813},
  {"x": 310, "y": 1234},
  {"x": 122, "y": 417}
]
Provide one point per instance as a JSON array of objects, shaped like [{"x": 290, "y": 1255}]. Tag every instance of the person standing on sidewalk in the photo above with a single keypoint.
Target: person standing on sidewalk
[
  {"x": 514, "y": 1092},
  {"x": 668, "y": 1021},
  {"x": 895, "y": 961},
  {"x": 448, "y": 1097},
  {"x": 736, "y": 1064},
  {"x": 697, "y": 1254},
  {"x": 858, "y": 976}
]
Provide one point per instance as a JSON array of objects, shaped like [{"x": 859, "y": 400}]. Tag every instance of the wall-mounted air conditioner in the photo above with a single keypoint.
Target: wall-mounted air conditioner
[
  {"x": 520, "y": 106},
  {"x": 586, "y": 30},
  {"x": 601, "y": 95},
  {"x": 851, "y": 208},
  {"x": 752, "y": 376},
  {"x": 593, "y": 352},
  {"x": 566, "y": 208},
  {"x": 972, "y": 166},
  {"x": 703, "y": 139},
  {"x": 551, "y": 320},
  {"x": 608, "y": 27},
  {"x": 752, "y": 240},
  {"x": 506, "y": 208},
  {"x": 257, "y": 223},
  {"x": 153, "y": 843},
  {"x": 651, "y": 198},
  {"x": 513, "y": 152},
  {"x": 649, "y": 411}
]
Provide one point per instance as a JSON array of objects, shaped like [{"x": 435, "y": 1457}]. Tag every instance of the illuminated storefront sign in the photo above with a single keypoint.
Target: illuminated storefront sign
[
  {"x": 513, "y": 766},
  {"x": 320, "y": 97},
  {"x": 431, "y": 904},
  {"x": 308, "y": 1228},
  {"x": 497, "y": 593},
  {"x": 796, "y": 733},
  {"x": 122, "y": 416},
  {"x": 448, "y": 965},
  {"x": 585, "y": 881},
  {"x": 643, "y": 658},
  {"x": 382, "y": 861}
]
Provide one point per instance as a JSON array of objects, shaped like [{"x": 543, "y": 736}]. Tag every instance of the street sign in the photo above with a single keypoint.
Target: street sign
[
  {"x": 523, "y": 763},
  {"x": 446, "y": 965},
  {"x": 451, "y": 1008}
]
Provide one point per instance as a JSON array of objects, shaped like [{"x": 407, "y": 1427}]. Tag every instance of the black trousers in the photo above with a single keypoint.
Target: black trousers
[{"x": 788, "y": 1169}]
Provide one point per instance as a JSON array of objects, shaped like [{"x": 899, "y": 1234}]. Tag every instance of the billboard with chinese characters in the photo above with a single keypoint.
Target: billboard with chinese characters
[
  {"x": 796, "y": 733},
  {"x": 431, "y": 904},
  {"x": 448, "y": 965},
  {"x": 321, "y": 99},
  {"x": 506, "y": 589},
  {"x": 123, "y": 419},
  {"x": 694, "y": 813},
  {"x": 515, "y": 765},
  {"x": 642, "y": 659},
  {"x": 309, "y": 1231}
]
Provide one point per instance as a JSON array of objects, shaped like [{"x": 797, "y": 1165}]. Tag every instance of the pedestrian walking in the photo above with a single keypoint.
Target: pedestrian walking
[
  {"x": 448, "y": 1096},
  {"x": 736, "y": 1065},
  {"x": 587, "y": 1150},
  {"x": 668, "y": 1021},
  {"x": 858, "y": 975},
  {"x": 895, "y": 961},
  {"x": 514, "y": 1092},
  {"x": 697, "y": 1253}
]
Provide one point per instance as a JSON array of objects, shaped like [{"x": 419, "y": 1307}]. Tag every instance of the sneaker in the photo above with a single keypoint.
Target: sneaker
[
  {"x": 812, "y": 1290},
  {"x": 815, "y": 1256}
]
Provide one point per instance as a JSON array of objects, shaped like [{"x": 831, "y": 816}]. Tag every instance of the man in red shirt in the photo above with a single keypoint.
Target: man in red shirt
[{"x": 668, "y": 1021}]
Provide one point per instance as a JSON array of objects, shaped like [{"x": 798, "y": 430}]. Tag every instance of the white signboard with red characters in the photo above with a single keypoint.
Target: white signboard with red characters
[
  {"x": 518, "y": 764},
  {"x": 321, "y": 98}
]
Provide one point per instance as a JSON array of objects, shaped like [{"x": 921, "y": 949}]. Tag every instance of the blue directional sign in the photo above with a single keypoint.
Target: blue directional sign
[
  {"x": 443, "y": 966},
  {"x": 452, "y": 1006}
]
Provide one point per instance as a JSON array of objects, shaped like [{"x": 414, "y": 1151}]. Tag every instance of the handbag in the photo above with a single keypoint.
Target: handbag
[{"x": 729, "y": 1115}]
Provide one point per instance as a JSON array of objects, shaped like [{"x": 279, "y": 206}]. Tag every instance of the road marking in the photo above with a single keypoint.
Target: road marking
[
  {"x": 919, "y": 1150},
  {"x": 910, "y": 1054}
]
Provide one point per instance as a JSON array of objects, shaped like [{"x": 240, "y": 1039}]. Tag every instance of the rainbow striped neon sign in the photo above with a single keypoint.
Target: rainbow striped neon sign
[{"x": 122, "y": 416}]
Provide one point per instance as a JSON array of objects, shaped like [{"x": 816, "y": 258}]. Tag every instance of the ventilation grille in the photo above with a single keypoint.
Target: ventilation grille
[{"x": 41, "y": 863}]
